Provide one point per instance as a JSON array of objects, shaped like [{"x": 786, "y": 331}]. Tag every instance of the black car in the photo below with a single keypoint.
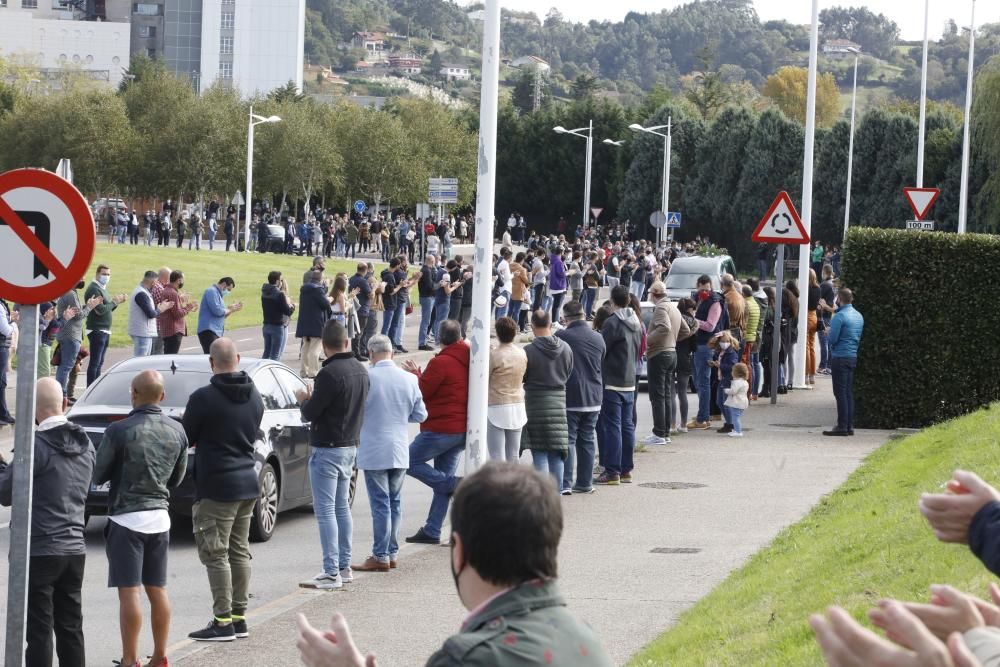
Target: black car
[
  {"x": 275, "y": 239},
  {"x": 282, "y": 447}
]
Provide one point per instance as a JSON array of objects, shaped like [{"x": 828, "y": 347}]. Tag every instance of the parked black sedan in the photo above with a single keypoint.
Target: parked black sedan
[{"x": 282, "y": 447}]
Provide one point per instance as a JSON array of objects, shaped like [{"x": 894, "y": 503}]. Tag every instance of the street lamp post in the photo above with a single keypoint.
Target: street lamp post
[
  {"x": 850, "y": 148},
  {"x": 255, "y": 120},
  {"x": 923, "y": 100},
  {"x": 665, "y": 185},
  {"x": 963, "y": 202},
  {"x": 589, "y": 136}
]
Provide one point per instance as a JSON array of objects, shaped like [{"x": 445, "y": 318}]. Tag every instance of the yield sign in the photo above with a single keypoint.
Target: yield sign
[
  {"x": 46, "y": 236},
  {"x": 597, "y": 212},
  {"x": 921, "y": 200},
  {"x": 781, "y": 224}
]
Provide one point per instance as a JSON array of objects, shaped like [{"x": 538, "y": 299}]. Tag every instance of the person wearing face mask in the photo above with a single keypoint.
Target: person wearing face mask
[
  {"x": 173, "y": 328},
  {"x": 99, "y": 320},
  {"x": 213, "y": 313},
  {"x": 712, "y": 317},
  {"x": 506, "y": 525}
]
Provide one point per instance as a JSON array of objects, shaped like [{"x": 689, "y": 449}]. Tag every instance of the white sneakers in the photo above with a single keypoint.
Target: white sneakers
[
  {"x": 655, "y": 440},
  {"x": 734, "y": 434},
  {"x": 323, "y": 582}
]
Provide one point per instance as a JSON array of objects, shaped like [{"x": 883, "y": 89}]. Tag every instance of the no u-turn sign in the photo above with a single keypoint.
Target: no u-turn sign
[{"x": 46, "y": 236}]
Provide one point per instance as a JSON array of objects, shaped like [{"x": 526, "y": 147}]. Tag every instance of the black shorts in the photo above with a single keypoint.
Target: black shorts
[{"x": 135, "y": 559}]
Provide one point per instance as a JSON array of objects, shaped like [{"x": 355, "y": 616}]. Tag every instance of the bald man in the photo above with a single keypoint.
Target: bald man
[
  {"x": 162, "y": 280},
  {"x": 222, "y": 421},
  {"x": 143, "y": 457},
  {"x": 64, "y": 462}
]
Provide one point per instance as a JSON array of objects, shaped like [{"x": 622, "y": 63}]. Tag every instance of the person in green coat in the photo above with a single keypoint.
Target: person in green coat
[{"x": 506, "y": 524}]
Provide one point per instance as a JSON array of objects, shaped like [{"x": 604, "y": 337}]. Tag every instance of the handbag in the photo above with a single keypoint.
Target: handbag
[{"x": 409, "y": 309}]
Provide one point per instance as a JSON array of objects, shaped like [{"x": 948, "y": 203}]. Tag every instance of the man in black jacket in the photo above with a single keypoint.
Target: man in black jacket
[
  {"x": 622, "y": 334},
  {"x": 222, "y": 421},
  {"x": 314, "y": 311},
  {"x": 64, "y": 464},
  {"x": 277, "y": 309},
  {"x": 143, "y": 457},
  {"x": 366, "y": 328},
  {"x": 335, "y": 408}
]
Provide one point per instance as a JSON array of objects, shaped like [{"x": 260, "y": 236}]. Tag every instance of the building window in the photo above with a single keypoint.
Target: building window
[
  {"x": 146, "y": 9},
  {"x": 147, "y": 31},
  {"x": 27, "y": 4},
  {"x": 227, "y": 21},
  {"x": 229, "y": 2},
  {"x": 225, "y": 70},
  {"x": 226, "y": 46},
  {"x": 151, "y": 53}
]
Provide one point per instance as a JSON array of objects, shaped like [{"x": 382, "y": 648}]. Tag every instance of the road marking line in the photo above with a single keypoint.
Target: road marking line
[{"x": 194, "y": 347}]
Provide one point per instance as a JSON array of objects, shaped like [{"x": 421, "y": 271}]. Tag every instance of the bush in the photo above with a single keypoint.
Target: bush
[{"x": 929, "y": 351}]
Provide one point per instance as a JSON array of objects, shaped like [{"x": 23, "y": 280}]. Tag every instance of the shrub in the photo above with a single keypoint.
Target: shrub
[{"x": 930, "y": 349}]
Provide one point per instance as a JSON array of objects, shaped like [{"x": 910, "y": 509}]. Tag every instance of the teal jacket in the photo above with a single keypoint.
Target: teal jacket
[
  {"x": 528, "y": 625},
  {"x": 845, "y": 332}
]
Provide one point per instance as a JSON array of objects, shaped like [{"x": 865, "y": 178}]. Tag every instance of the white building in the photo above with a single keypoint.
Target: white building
[
  {"x": 57, "y": 39},
  {"x": 532, "y": 62},
  {"x": 456, "y": 72}
]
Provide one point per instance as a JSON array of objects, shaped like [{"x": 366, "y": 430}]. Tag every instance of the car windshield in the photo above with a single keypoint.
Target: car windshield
[
  {"x": 115, "y": 389},
  {"x": 686, "y": 281}
]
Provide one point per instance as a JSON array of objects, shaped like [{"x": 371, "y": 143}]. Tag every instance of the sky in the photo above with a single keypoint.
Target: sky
[{"x": 908, "y": 14}]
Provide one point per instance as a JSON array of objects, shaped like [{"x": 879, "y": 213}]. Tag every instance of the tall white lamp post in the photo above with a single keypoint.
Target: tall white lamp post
[
  {"x": 255, "y": 120},
  {"x": 850, "y": 146},
  {"x": 963, "y": 202},
  {"x": 665, "y": 185},
  {"x": 588, "y": 134}
]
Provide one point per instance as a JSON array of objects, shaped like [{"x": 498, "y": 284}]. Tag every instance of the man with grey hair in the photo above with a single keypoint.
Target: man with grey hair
[
  {"x": 142, "y": 314},
  {"x": 394, "y": 401}
]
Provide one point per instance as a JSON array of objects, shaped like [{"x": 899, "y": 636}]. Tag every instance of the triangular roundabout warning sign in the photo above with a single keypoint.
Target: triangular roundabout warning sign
[
  {"x": 781, "y": 224},
  {"x": 921, "y": 200}
]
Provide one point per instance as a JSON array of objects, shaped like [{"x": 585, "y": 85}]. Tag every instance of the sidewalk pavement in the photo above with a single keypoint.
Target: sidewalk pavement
[{"x": 616, "y": 568}]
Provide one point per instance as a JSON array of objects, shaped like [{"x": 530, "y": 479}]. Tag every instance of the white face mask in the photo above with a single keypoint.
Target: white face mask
[{"x": 724, "y": 346}]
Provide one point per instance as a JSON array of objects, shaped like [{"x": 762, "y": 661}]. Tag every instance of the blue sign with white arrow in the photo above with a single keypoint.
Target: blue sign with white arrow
[
  {"x": 360, "y": 207},
  {"x": 674, "y": 219}
]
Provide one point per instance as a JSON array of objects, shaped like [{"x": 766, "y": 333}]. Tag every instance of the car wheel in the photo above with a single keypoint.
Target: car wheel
[{"x": 265, "y": 511}]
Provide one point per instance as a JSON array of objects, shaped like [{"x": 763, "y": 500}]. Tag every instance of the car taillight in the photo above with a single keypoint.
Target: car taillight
[{"x": 115, "y": 418}]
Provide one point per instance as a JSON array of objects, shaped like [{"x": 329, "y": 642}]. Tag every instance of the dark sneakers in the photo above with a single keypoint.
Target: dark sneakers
[
  {"x": 837, "y": 431},
  {"x": 423, "y": 538},
  {"x": 240, "y": 628},
  {"x": 215, "y": 632}
]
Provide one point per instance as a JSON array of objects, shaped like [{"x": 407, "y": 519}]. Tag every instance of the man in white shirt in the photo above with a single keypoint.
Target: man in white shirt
[
  {"x": 141, "y": 471},
  {"x": 504, "y": 274}
]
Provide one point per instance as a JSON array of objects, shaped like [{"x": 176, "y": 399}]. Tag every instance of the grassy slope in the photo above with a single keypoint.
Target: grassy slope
[
  {"x": 202, "y": 269},
  {"x": 865, "y": 541}
]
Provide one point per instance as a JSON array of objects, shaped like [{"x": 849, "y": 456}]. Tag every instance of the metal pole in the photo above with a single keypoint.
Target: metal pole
[
  {"x": 24, "y": 462},
  {"x": 963, "y": 201},
  {"x": 807, "y": 193},
  {"x": 923, "y": 100},
  {"x": 586, "y": 185},
  {"x": 850, "y": 150},
  {"x": 249, "y": 202},
  {"x": 666, "y": 179},
  {"x": 779, "y": 277},
  {"x": 479, "y": 326}
]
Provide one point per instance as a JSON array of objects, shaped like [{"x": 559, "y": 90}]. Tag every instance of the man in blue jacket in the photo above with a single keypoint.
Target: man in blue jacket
[
  {"x": 845, "y": 338},
  {"x": 213, "y": 312}
]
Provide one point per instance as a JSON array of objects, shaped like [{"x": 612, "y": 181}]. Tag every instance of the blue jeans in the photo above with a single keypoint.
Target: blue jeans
[
  {"x": 589, "y": 294},
  {"x": 550, "y": 462},
  {"x": 445, "y": 450},
  {"x": 736, "y": 419},
  {"x": 274, "y": 341},
  {"x": 824, "y": 346},
  {"x": 758, "y": 373},
  {"x": 68, "y": 351},
  {"x": 384, "y": 489},
  {"x": 582, "y": 449},
  {"x": 513, "y": 310},
  {"x": 142, "y": 346},
  {"x": 703, "y": 381},
  {"x": 618, "y": 430},
  {"x": 98, "y": 347},
  {"x": 720, "y": 399},
  {"x": 440, "y": 315},
  {"x": 330, "y": 471},
  {"x": 4, "y": 358},
  {"x": 426, "y": 310},
  {"x": 398, "y": 325},
  {"x": 387, "y": 317},
  {"x": 211, "y": 240},
  {"x": 843, "y": 390}
]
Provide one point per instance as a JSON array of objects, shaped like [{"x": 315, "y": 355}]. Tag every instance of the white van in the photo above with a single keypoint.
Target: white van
[{"x": 682, "y": 279}]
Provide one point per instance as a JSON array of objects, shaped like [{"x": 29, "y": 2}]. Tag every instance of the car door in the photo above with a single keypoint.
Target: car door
[
  {"x": 278, "y": 431},
  {"x": 297, "y": 461}
]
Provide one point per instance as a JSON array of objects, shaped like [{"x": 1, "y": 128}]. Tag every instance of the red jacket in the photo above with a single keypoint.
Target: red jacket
[{"x": 444, "y": 385}]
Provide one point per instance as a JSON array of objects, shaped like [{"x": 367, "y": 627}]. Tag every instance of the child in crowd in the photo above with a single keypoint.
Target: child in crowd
[
  {"x": 736, "y": 398},
  {"x": 726, "y": 357}
]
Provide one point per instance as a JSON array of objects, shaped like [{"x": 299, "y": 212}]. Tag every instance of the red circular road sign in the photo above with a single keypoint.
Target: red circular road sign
[{"x": 46, "y": 236}]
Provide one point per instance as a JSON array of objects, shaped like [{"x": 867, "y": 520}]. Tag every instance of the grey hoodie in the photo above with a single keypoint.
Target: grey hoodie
[
  {"x": 550, "y": 363},
  {"x": 64, "y": 464},
  {"x": 623, "y": 336}
]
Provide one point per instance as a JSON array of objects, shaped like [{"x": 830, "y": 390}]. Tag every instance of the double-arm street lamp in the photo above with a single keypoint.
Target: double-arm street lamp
[
  {"x": 255, "y": 120},
  {"x": 850, "y": 148},
  {"x": 665, "y": 200},
  {"x": 588, "y": 134}
]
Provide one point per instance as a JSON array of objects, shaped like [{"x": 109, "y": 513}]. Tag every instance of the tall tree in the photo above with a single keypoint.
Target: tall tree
[{"x": 787, "y": 88}]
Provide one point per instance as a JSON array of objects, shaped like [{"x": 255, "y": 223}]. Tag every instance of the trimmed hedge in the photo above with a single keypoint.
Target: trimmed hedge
[{"x": 931, "y": 344}]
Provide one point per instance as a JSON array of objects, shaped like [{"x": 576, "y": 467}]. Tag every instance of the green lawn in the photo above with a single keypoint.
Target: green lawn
[
  {"x": 863, "y": 542},
  {"x": 202, "y": 269}
]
